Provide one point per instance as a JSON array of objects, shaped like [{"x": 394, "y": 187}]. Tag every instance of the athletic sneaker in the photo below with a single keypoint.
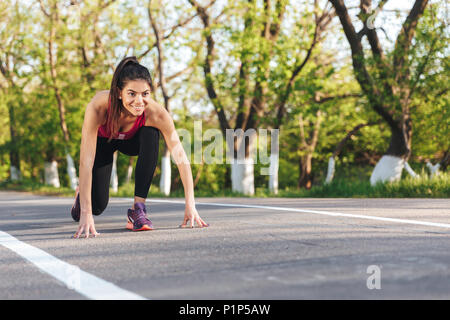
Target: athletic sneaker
[
  {"x": 76, "y": 209},
  {"x": 137, "y": 218}
]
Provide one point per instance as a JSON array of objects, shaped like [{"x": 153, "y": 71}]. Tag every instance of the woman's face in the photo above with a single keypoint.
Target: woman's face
[{"x": 135, "y": 96}]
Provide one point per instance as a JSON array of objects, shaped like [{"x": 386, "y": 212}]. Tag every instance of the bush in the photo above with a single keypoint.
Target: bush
[{"x": 408, "y": 187}]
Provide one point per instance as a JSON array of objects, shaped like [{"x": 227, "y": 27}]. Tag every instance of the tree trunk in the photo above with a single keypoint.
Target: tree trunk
[
  {"x": 435, "y": 169},
  {"x": 340, "y": 146},
  {"x": 72, "y": 172},
  {"x": 410, "y": 171},
  {"x": 51, "y": 174},
  {"x": 306, "y": 177},
  {"x": 388, "y": 169},
  {"x": 273, "y": 173},
  {"x": 445, "y": 160},
  {"x": 164, "y": 182},
  {"x": 114, "y": 182},
  {"x": 227, "y": 183},
  {"x": 241, "y": 152},
  {"x": 330, "y": 170},
  {"x": 272, "y": 160},
  {"x": 391, "y": 164},
  {"x": 14, "y": 173},
  {"x": 14, "y": 157},
  {"x": 242, "y": 178},
  {"x": 305, "y": 161}
]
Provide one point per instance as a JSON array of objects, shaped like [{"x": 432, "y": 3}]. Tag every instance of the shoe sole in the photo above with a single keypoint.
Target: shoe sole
[{"x": 143, "y": 228}]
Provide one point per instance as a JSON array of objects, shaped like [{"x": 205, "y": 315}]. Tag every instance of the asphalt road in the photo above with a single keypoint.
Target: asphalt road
[{"x": 253, "y": 252}]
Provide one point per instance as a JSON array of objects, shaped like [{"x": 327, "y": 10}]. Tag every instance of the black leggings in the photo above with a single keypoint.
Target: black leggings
[{"x": 144, "y": 144}]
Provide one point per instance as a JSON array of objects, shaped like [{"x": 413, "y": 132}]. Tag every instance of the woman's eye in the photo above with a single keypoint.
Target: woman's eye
[{"x": 145, "y": 94}]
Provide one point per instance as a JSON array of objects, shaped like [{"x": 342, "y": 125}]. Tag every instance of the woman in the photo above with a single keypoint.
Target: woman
[{"x": 125, "y": 118}]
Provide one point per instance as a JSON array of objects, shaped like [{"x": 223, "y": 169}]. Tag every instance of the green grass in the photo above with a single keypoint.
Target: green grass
[
  {"x": 424, "y": 187},
  {"x": 408, "y": 187},
  {"x": 27, "y": 185}
]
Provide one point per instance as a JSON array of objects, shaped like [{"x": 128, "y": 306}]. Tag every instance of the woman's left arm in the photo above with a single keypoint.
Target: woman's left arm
[{"x": 167, "y": 128}]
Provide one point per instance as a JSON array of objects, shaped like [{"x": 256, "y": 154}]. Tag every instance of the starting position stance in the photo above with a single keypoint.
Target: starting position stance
[{"x": 125, "y": 118}]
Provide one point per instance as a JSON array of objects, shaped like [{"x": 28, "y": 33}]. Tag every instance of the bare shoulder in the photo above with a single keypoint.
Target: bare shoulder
[
  {"x": 156, "y": 115},
  {"x": 97, "y": 108},
  {"x": 100, "y": 101}
]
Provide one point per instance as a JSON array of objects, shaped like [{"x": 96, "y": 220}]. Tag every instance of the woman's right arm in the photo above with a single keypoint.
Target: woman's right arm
[{"x": 93, "y": 118}]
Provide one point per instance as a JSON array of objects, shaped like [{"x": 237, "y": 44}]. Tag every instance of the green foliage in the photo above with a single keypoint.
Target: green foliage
[
  {"x": 430, "y": 106},
  {"x": 424, "y": 187},
  {"x": 91, "y": 39}
]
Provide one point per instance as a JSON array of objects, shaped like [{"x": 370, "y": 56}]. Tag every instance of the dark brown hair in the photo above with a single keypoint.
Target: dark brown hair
[{"x": 128, "y": 69}]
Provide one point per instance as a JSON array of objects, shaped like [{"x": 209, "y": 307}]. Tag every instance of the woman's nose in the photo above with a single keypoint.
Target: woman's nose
[{"x": 139, "y": 98}]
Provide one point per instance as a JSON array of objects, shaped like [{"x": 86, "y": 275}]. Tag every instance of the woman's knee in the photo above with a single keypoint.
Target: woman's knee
[
  {"x": 150, "y": 132},
  {"x": 99, "y": 206},
  {"x": 149, "y": 141}
]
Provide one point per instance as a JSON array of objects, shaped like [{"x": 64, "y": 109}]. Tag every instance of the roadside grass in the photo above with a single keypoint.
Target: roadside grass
[
  {"x": 422, "y": 187},
  {"x": 408, "y": 187},
  {"x": 27, "y": 185}
]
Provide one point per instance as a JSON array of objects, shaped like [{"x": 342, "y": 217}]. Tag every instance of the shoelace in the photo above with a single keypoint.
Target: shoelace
[{"x": 141, "y": 218}]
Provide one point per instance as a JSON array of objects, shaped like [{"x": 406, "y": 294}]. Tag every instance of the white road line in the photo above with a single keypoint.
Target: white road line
[
  {"x": 327, "y": 213},
  {"x": 72, "y": 276}
]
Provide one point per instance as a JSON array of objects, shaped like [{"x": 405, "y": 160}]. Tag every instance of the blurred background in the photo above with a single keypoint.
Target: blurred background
[{"x": 358, "y": 90}]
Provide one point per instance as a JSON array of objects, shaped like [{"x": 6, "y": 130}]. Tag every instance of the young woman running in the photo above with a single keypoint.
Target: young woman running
[{"x": 125, "y": 118}]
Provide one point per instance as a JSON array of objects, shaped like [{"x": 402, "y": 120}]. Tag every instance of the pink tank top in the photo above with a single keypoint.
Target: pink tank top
[{"x": 140, "y": 122}]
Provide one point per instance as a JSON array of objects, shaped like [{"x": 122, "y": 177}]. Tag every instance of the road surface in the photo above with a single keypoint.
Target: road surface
[{"x": 255, "y": 248}]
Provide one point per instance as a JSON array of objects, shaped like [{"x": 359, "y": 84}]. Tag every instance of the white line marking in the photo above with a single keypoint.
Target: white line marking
[
  {"x": 327, "y": 213},
  {"x": 72, "y": 276}
]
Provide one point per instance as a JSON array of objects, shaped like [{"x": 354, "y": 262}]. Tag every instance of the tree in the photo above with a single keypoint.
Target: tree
[
  {"x": 13, "y": 45},
  {"x": 386, "y": 83},
  {"x": 52, "y": 14},
  {"x": 259, "y": 42},
  {"x": 155, "y": 10},
  {"x": 320, "y": 20}
]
